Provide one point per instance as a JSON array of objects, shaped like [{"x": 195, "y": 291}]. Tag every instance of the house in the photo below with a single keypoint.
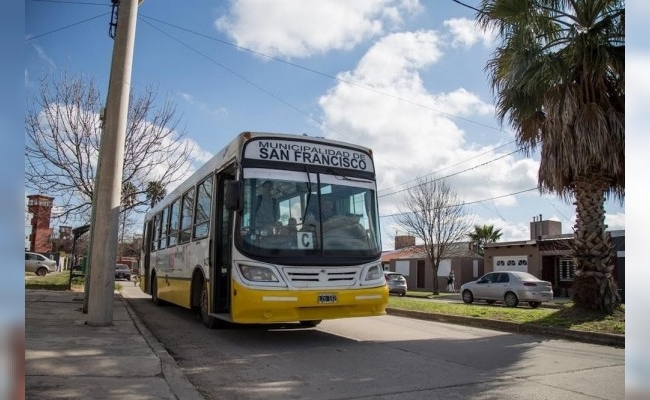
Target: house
[
  {"x": 547, "y": 255},
  {"x": 411, "y": 261}
]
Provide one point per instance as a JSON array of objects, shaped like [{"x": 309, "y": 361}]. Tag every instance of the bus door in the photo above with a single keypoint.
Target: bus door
[
  {"x": 146, "y": 259},
  {"x": 222, "y": 245}
]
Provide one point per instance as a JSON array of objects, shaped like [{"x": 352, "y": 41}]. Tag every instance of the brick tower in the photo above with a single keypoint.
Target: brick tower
[{"x": 41, "y": 208}]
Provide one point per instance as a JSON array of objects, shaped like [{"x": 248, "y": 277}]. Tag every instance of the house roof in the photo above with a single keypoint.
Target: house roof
[
  {"x": 404, "y": 253},
  {"x": 548, "y": 239},
  {"x": 461, "y": 249}
]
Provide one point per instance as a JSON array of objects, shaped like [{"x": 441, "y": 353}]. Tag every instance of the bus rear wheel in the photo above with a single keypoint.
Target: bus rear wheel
[
  {"x": 208, "y": 320},
  {"x": 154, "y": 292}
]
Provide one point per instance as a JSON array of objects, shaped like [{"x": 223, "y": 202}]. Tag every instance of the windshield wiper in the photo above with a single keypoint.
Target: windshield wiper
[{"x": 344, "y": 177}]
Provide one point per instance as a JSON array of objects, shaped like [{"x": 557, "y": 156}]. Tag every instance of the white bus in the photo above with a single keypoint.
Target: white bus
[{"x": 208, "y": 248}]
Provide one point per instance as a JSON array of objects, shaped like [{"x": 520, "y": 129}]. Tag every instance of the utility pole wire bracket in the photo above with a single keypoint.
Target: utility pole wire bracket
[{"x": 112, "y": 26}]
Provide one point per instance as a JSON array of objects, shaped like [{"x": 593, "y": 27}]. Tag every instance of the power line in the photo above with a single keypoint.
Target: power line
[
  {"x": 453, "y": 165},
  {"x": 469, "y": 202},
  {"x": 145, "y": 19},
  {"x": 82, "y": 3},
  {"x": 321, "y": 123},
  {"x": 243, "y": 78},
  {"x": 504, "y": 220},
  {"x": 558, "y": 211},
  {"x": 468, "y": 6},
  {"x": 322, "y": 74},
  {"x": 496, "y": 209},
  {"x": 454, "y": 174},
  {"x": 65, "y": 27}
]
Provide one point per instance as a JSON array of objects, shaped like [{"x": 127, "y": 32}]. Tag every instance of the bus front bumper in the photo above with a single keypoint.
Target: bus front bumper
[{"x": 269, "y": 306}]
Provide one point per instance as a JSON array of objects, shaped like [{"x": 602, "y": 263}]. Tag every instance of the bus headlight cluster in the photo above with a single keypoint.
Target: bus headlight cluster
[
  {"x": 258, "y": 274},
  {"x": 374, "y": 273}
]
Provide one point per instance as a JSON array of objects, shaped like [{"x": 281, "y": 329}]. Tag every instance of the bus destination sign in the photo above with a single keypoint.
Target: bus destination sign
[{"x": 309, "y": 153}]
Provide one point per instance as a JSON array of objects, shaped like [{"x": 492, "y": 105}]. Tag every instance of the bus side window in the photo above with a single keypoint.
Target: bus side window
[
  {"x": 173, "y": 223},
  {"x": 203, "y": 207},
  {"x": 164, "y": 228},
  {"x": 156, "y": 232},
  {"x": 186, "y": 216}
]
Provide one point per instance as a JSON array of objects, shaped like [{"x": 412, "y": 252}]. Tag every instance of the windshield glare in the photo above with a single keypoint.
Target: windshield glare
[{"x": 318, "y": 215}]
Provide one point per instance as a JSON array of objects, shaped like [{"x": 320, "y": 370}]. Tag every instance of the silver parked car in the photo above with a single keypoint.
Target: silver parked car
[
  {"x": 396, "y": 283},
  {"x": 38, "y": 264},
  {"x": 511, "y": 287}
]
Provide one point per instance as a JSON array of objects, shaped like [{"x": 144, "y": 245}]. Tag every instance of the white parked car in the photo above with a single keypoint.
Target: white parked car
[
  {"x": 511, "y": 287},
  {"x": 396, "y": 283},
  {"x": 38, "y": 264}
]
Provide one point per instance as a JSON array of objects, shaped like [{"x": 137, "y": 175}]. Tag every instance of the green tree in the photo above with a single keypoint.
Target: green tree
[
  {"x": 129, "y": 195},
  {"x": 129, "y": 200},
  {"x": 484, "y": 234},
  {"x": 559, "y": 78},
  {"x": 155, "y": 192}
]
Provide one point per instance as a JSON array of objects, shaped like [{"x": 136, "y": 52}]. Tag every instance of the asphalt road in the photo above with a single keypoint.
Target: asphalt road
[{"x": 387, "y": 357}]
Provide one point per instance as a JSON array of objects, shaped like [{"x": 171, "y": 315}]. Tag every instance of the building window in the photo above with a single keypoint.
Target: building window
[
  {"x": 566, "y": 269},
  {"x": 511, "y": 262},
  {"x": 522, "y": 262},
  {"x": 500, "y": 263}
]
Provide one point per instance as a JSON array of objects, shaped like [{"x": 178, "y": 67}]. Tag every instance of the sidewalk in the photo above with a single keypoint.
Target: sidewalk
[{"x": 65, "y": 358}]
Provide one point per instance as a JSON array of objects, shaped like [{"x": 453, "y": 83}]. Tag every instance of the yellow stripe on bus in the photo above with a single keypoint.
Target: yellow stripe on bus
[{"x": 174, "y": 290}]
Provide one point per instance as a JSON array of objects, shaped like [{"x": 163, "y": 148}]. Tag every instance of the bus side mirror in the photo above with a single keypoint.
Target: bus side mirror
[{"x": 233, "y": 196}]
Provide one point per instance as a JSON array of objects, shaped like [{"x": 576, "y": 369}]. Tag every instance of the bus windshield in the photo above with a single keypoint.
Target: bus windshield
[{"x": 291, "y": 213}]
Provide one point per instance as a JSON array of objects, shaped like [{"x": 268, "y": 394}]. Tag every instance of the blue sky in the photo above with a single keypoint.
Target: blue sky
[
  {"x": 403, "y": 77},
  {"x": 409, "y": 141}
]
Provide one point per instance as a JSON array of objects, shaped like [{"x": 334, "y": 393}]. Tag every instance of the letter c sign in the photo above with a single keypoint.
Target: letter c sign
[{"x": 305, "y": 240}]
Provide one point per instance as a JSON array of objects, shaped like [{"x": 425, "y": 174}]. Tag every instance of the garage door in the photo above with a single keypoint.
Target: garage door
[{"x": 511, "y": 263}]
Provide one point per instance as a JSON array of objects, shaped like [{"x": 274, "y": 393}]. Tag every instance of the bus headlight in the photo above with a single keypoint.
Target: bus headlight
[
  {"x": 374, "y": 273},
  {"x": 258, "y": 274}
]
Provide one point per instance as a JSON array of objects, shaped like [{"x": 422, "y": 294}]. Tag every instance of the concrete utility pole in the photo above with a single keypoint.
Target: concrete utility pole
[{"x": 106, "y": 207}]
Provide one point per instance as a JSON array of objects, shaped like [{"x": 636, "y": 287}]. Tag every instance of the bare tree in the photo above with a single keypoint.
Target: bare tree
[
  {"x": 63, "y": 126},
  {"x": 432, "y": 212}
]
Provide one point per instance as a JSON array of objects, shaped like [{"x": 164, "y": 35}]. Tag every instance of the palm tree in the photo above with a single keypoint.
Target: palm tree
[
  {"x": 484, "y": 234},
  {"x": 559, "y": 79},
  {"x": 129, "y": 198},
  {"x": 129, "y": 195},
  {"x": 155, "y": 192}
]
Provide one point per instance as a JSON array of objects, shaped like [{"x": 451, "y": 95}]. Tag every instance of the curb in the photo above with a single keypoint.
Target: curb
[
  {"x": 174, "y": 376},
  {"x": 606, "y": 339}
]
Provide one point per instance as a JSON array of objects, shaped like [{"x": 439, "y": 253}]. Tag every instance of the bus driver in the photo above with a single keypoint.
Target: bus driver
[{"x": 267, "y": 211}]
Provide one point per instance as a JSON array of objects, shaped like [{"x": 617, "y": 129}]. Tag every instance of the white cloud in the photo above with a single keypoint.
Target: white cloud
[
  {"x": 308, "y": 27},
  {"x": 615, "y": 221},
  {"x": 466, "y": 33},
  {"x": 419, "y": 137}
]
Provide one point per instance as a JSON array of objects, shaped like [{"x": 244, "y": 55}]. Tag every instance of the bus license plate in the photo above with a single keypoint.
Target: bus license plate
[{"x": 327, "y": 298}]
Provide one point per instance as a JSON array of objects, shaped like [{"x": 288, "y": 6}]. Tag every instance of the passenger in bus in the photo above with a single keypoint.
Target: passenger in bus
[
  {"x": 267, "y": 211},
  {"x": 327, "y": 209},
  {"x": 292, "y": 227}
]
